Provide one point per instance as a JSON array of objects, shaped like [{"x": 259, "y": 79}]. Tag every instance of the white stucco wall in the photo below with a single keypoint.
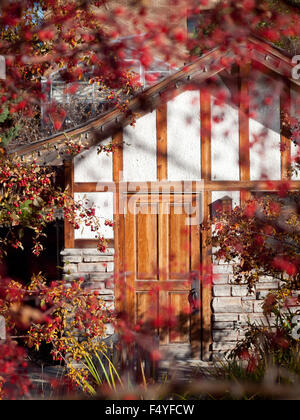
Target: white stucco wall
[
  {"x": 265, "y": 160},
  {"x": 225, "y": 139},
  {"x": 140, "y": 150},
  {"x": 183, "y": 133},
  {"x": 235, "y": 195},
  {"x": 91, "y": 167},
  {"x": 104, "y": 205}
]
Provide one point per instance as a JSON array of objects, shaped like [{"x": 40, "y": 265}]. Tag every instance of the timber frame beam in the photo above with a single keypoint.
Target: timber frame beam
[
  {"x": 206, "y": 257},
  {"x": 185, "y": 186},
  {"x": 69, "y": 183}
]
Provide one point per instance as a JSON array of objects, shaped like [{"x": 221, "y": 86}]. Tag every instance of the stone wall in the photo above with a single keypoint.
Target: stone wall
[
  {"x": 233, "y": 307},
  {"x": 2, "y": 328},
  {"x": 95, "y": 268}
]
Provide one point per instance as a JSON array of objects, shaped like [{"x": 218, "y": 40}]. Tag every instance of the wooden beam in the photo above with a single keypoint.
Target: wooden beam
[
  {"x": 179, "y": 186},
  {"x": 265, "y": 47},
  {"x": 205, "y": 118},
  {"x": 162, "y": 148},
  {"x": 196, "y": 258},
  {"x": 164, "y": 259},
  {"x": 69, "y": 182},
  {"x": 250, "y": 185},
  {"x": 244, "y": 134},
  {"x": 91, "y": 243},
  {"x": 126, "y": 295},
  {"x": 118, "y": 220},
  {"x": 272, "y": 59},
  {"x": 286, "y": 149},
  {"x": 90, "y": 187},
  {"x": 206, "y": 261},
  {"x": 117, "y": 141}
]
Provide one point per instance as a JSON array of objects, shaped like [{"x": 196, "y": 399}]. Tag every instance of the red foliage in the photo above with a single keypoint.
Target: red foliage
[
  {"x": 14, "y": 382},
  {"x": 75, "y": 36}
]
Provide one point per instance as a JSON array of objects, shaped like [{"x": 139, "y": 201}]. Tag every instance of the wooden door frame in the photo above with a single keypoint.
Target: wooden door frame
[{"x": 159, "y": 195}]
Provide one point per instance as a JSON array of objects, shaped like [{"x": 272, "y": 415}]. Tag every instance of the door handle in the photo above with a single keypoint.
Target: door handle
[{"x": 193, "y": 299}]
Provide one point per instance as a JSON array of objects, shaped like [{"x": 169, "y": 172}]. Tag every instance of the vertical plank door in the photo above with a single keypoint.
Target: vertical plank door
[{"x": 162, "y": 264}]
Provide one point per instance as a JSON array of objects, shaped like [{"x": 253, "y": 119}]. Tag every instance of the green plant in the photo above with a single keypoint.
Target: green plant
[
  {"x": 105, "y": 369},
  {"x": 101, "y": 371}
]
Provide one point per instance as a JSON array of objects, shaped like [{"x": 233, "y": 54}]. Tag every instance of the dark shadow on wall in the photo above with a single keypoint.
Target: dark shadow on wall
[{"x": 21, "y": 265}]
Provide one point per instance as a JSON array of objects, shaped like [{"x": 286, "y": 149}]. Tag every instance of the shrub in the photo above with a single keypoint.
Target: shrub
[{"x": 71, "y": 320}]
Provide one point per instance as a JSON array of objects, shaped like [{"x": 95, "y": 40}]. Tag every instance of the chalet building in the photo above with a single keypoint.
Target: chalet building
[{"x": 209, "y": 135}]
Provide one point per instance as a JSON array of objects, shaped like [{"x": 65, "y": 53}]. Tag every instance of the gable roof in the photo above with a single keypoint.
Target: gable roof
[{"x": 52, "y": 151}]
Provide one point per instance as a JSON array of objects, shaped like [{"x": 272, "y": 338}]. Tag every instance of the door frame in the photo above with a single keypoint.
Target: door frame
[{"x": 123, "y": 189}]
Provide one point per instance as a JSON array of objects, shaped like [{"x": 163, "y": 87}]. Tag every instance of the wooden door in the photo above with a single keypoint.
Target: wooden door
[{"x": 162, "y": 265}]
